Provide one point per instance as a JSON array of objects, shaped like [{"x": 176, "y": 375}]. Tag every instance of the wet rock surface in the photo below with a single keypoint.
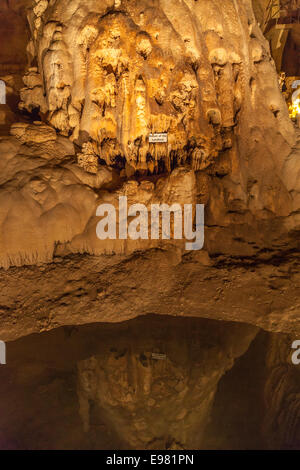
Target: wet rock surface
[{"x": 151, "y": 383}]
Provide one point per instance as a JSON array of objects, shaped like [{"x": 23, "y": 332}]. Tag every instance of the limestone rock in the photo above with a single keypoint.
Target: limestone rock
[
  {"x": 114, "y": 75},
  {"x": 38, "y": 133},
  {"x": 88, "y": 159}
]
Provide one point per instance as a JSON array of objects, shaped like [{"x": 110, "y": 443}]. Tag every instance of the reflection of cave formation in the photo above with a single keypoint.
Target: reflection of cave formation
[
  {"x": 154, "y": 382},
  {"x": 257, "y": 402}
]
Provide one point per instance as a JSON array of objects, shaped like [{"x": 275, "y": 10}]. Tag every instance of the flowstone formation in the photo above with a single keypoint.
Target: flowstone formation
[
  {"x": 115, "y": 71},
  {"x": 102, "y": 77},
  {"x": 158, "y": 388}
]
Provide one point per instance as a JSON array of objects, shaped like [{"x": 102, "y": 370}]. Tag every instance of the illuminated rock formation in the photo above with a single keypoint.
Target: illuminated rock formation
[
  {"x": 114, "y": 72},
  {"x": 106, "y": 76},
  {"x": 100, "y": 78}
]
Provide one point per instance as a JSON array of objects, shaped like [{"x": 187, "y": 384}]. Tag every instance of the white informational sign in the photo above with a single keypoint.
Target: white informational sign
[
  {"x": 158, "y": 138},
  {"x": 159, "y": 356}
]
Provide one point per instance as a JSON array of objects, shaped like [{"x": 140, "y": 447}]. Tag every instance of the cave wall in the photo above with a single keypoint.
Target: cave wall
[
  {"x": 291, "y": 55},
  {"x": 111, "y": 74},
  {"x": 260, "y": 10},
  {"x": 14, "y": 37},
  {"x": 220, "y": 104},
  {"x": 231, "y": 147},
  {"x": 282, "y": 419}
]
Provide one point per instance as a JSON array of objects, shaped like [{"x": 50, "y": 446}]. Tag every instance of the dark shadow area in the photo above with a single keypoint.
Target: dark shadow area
[{"x": 239, "y": 403}]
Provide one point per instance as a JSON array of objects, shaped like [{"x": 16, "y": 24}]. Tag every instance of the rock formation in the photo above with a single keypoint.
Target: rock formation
[
  {"x": 162, "y": 402},
  {"x": 109, "y": 73},
  {"x": 104, "y": 76}
]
